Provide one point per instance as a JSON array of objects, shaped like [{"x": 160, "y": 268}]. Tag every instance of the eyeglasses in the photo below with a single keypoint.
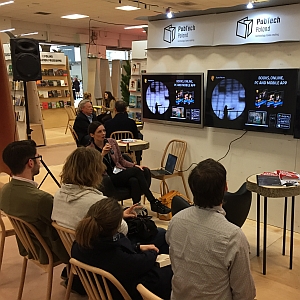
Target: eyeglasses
[{"x": 39, "y": 157}]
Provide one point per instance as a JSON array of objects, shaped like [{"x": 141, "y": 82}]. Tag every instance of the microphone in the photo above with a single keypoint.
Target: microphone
[{"x": 111, "y": 150}]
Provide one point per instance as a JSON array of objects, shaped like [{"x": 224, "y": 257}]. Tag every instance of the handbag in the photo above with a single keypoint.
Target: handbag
[{"x": 141, "y": 227}]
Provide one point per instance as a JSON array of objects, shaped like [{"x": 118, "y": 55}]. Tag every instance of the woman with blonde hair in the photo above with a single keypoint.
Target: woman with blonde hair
[
  {"x": 81, "y": 176},
  {"x": 99, "y": 244}
]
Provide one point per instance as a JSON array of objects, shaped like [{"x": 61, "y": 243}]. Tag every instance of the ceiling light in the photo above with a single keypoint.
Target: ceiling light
[
  {"x": 136, "y": 27},
  {"x": 75, "y": 16},
  {"x": 7, "y": 2},
  {"x": 169, "y": 13},
  {"x": 128, "y": 7},
  {"x": 250, "y": 5},
  {"x": 30, "y": 33},
  {"x": 10, "y": 29}
]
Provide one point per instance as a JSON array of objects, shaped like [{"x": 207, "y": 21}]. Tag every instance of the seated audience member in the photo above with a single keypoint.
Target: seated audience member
[
  {"x": 21, "y": 198},
  {"x": 209, "y": 255},
  {"x": 81, "y": 175},
  {"x": 87, "y": 96},
  {"x": 121, "y": 122},
  {"x": 98, "y": 244},
  {"x": 109, "y": 107},
  {"x": 83, "y": 119},
  {"x": 123, "y": 173}
]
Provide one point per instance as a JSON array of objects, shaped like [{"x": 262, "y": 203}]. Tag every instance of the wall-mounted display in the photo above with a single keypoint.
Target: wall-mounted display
[
  {"x": 173, "y": 98},
  {"x": 260, "y": 99}
]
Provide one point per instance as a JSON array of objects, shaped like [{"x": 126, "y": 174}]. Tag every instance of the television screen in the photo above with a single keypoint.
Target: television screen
[
  {"x": 173, "y": 98},
  {"x": 259, "y": 99}
]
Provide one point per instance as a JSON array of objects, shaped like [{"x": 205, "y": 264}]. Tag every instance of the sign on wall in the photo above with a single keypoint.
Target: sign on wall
[{"x": 267, "y": 25}]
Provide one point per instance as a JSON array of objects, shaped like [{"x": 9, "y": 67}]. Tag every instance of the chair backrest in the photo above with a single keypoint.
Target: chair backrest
[
  {"x": 71, "y": 112},
  {"x": 24, "y": 232},
  {"x": 178, "y": 204},
  {"x": 66, "y": 235},
  {"x": 89, "y": 277},
  {"x": 146, "y": 294},
  {"x": 237, "y": 205},
  {"x": 74, "y": 134},
  {"x": 119, "y": 135}
]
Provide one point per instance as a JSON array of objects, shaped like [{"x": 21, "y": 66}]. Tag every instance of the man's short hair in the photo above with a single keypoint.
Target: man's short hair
[
  {"x": 82, "y": 103},
  {"x": 207, "y": 182},
  {"x": 16, "y": 155},
  {"x": 120, "y": 106}
]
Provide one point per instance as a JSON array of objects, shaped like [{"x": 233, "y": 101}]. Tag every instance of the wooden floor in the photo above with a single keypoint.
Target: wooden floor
[{"x": 279, "y": 283}]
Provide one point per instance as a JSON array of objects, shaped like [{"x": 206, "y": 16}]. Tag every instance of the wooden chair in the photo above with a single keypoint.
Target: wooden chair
[
  {"x": 24, "y": 232},
  {"x": 6, "y": 230},
  {"x": 119, "y": 135},
  {"x": 89, "y": 277},
  {"x": 71, "y": 115},
  {"x": 74, "y": 134},
  {"x": 146, "y": 294},
  {"x": 177, "y": 148},
  {"x": 67, "y": 237}
]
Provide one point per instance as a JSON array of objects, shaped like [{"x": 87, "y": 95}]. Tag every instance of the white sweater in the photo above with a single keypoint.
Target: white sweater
[{"x": 72, "y": 202}]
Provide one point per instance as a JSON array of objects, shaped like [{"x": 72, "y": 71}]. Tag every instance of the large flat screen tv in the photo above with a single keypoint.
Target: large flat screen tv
[
  {"x": 259, "y": 99},
  {"x": 173, "y": 98}
]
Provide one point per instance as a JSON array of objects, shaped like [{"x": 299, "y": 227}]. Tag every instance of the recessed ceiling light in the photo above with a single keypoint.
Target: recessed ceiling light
[
  {"x": 136, "y": 27},
  {"x": 29, "y": 33},
  {"x": 75, "y": 16},
  {"x": 128, "y": 7},
  {"x": 10, "y": 29},
  {"x": 7, "y": 2}
]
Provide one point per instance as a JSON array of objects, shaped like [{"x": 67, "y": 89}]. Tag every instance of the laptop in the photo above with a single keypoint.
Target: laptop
[{"x": 168, "y": 169}]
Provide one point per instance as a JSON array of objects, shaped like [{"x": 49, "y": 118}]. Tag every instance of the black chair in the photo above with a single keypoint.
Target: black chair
[
  {"x": 237, "y": 205},
  {"x": 121, "y": 193}
]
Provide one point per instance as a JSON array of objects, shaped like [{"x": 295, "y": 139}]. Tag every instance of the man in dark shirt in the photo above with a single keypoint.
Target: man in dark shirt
[
  {"x": 121, "y": 122},
  {"x": 84, "y": 118}
]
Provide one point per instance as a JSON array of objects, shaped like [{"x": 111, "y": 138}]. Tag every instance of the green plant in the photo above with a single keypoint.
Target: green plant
[{"x": 125, "y": 81}]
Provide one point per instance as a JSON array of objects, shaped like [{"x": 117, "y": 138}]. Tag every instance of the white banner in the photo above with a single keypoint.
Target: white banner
[
  {"x": 183, "y": 32},
  {"x": 52, "y": 58},
  {"x": 268, "y": 25}
]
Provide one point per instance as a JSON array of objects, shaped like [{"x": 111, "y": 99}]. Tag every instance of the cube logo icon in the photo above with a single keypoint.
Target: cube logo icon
[
  {"x": 244, "y": 27},
  {"x": 169, "y": 34}
]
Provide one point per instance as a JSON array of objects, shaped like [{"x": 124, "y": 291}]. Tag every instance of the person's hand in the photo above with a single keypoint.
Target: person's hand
[
  {"x": 130, "y": 212},
  {"x": 140, "y": 167},
  {"x": 148, "y": 247},
  {"x": 106, "y": 149}
]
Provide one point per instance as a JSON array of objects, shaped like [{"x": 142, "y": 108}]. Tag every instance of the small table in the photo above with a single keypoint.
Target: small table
[
  {"x": 273, "y": 192},
  {"x": 137, "y": 145}
]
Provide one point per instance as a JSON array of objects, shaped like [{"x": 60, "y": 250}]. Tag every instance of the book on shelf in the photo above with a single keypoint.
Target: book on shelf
[
  {"x": 54, "y": 92},
  {"x": 138, "y": 102},
  {"x": 138, "y": 85},
  {"x": 43, "y": 94},
  {"x": 9, "y": 70},
  {"x": 61, "y": 104},
  {"x": 67, "y": 93},
  {"x": 131, "y": 115},
  {"x": 57, "y": 104},
  {"x": 68, "y": 103},
  {"x": 138, "y": 116},
  {"x": 135, "y": 68},
  {"x": 132, "y": 101},
  {"x": 45, "y": 105},
  {"x": 58, "y": 72},
  {"x": 59, "y": 93},
  {"x": 50, "y": 83},
  {"x": 50, "y": 72},
  {"x": 49, "y": 105},
  {"x": 132, "y": 85},
  {"x": 50, "y": 94},
  {"x": 53, "y": 104},
  {"x": 63, "y": 83},
  {"x": 20, "y": 116}
]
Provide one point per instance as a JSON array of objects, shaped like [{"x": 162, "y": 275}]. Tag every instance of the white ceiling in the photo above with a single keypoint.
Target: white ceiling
[{"x": 104, "y": 11}]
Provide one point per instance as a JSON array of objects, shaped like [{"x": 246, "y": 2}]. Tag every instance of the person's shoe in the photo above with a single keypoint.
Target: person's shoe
[{"x": 160, "y": 208}]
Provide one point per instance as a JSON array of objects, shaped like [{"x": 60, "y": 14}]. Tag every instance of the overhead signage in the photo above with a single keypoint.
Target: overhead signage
[
  {"x": 52, "y": 58},
  {"x": 266, "y": 25},
  {"x": 183, "y": 32}
]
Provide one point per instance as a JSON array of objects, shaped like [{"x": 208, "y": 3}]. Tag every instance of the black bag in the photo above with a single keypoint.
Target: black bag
[{"x": 141, "y": 227}]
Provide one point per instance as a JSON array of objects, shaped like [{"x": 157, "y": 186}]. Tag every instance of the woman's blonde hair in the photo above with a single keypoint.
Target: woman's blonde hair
[
  {"x": 87, "y": 95},
  {"x": 103, "y": 219},
  {"x": 83, "y": 167}
]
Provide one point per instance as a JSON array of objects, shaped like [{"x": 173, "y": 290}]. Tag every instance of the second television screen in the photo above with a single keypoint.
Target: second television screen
[{"x": 173, "y": 98}]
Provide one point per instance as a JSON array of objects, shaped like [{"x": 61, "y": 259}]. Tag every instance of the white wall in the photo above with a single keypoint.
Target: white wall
[{"x": 255, "y": 152}]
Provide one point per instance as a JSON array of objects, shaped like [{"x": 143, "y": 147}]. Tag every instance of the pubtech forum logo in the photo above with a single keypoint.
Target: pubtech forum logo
[
  {"x": 169, "y": 34},
  {"x": 244, "y": 27}
]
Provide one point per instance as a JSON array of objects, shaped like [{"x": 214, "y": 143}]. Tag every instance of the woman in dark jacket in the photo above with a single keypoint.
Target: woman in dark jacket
[{"x": 98, "y": 244}]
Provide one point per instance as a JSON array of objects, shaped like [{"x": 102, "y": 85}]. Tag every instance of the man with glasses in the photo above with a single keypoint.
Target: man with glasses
[{"x": 21, "y": 197}]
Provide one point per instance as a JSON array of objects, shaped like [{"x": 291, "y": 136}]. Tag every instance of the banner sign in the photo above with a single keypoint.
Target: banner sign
[
  {"x": 183, "y": 32},
  {"x": 52, "y": 58},
  {"x": 268, "y": 25}
]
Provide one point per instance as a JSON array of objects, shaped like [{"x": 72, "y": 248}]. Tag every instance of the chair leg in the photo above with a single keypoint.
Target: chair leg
[
  {"x": 2, "y": 241},
  {"x": 23, "y": 274},
  {"x": 49, "y": 284},
  {"x": 185, "y": 186},
  {"x": 144, "y": 200},
  {"x": 67, "y": 127},
  {"x": 70, "y": 281}
]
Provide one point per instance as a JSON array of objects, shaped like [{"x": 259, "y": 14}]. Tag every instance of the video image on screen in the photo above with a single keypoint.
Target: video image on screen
[
  {"x": 228, "y": 99},
  {"x": 272, "y": 98},
  {"x": 257, "y": 118},
  {"x": 157, "y": 97},
  {"x": 173, "y": 98}
]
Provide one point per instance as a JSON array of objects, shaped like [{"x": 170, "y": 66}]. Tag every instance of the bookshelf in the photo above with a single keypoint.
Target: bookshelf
[{"x": 55, "y": 89}]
